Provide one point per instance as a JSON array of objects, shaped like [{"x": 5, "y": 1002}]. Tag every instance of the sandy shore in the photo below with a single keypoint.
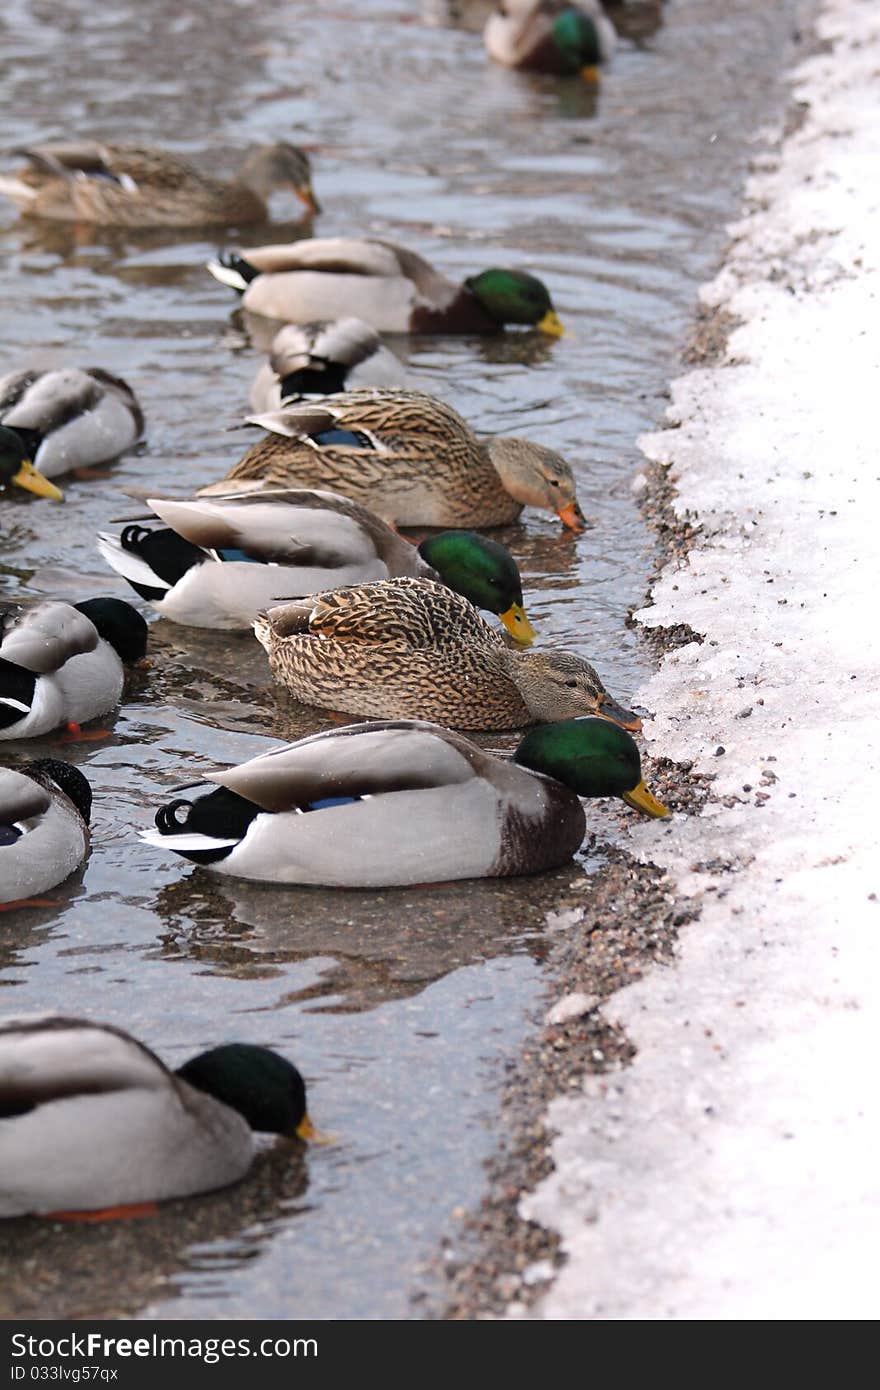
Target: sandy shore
[{"x": 727, "y": 1171}]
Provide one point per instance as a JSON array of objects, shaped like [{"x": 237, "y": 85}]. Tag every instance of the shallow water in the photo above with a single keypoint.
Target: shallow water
[{"x": 399, "y": 1007}]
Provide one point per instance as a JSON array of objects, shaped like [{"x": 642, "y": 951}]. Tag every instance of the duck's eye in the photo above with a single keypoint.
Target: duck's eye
[
  {"x": 572, "y": 685},
  {"x": 554, "y": 482}
]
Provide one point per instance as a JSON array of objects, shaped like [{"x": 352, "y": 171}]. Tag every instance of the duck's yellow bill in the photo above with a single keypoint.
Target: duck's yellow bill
[
  {"x": 640, "y": 799},
  {"x": 550, "y": 324},
  {"x": 32, "y": 480},
  {"x": 306, "y": 1130},
  {"x": 572, "y": 517},
  {"x": 590, "y": 74},
  {"x": 518, "y": 625}
]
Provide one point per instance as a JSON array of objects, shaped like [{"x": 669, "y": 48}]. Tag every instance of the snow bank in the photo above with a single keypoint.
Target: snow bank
[{"x": 731, "y": 1171}]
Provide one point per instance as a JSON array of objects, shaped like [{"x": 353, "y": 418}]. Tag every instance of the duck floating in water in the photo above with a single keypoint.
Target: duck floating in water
[
  {"x": 44, "y": 826},
  {"x": 550, "y": 36},
  {"x": 404, "y": 802},
  {"x": 320, "y": 359},
  {"x": 221, "y": 560},
  {"x": 64, "y": 663},
  {"x": 70, "y": 417},
  {"x": 93, "y": 1121},
  {"x": 412, "y": 649},
  {"x": 410, "y": 457},
  {"x": 141, "y": 186},
  {"x": 386, "y": 285}
]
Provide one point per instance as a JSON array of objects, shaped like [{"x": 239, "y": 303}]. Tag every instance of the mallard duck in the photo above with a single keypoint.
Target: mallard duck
[
  {"x": 140, "y": 186},
  {"x": 93, "y": 1121},
  {"x": 412, "y": 649},
  {"x": 70, "y": 417},
  {"x": 386, "y": 285},
  {"x": 44, "y": 826},
  {"x": 63, "y": 663},
  {"x": 222, "y": 559},
  {"x": 383, "y": 805},
  {"x": 550, "y": 36},
  {"x": 411, "y": 457},
  {"x": 319, "y": 359},
  {"x": 16, "y": 467}
]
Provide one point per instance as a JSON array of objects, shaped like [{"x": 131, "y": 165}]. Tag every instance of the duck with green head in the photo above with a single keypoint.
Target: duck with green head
[
  {"x": 92, "y": 1121},
  {"x": 405, "y": 802},
  {"x": 386, "y": 285},
  {"x": 550, "y": 36},
  {"x": 16, "y": 468},
  {"x": 220, "y": 560}
]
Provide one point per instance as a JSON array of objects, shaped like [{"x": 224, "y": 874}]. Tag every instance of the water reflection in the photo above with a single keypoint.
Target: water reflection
[
  {"x": 368, "y": 949},
  {"x": 76, "y": 1265}
]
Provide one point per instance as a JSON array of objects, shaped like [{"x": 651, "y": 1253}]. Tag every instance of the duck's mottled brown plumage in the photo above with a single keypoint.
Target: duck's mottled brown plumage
[
  {"x": 418, "y": 462},
  {"x": 131, "y": 185},
  {"x": 412, "y": 649}
]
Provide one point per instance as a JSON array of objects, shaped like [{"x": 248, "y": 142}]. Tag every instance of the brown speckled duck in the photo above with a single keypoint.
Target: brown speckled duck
[
  {"x": 409, "y": 457},
  {"x": 412, "y": 649},
  {"x": 139, "y": 186}
]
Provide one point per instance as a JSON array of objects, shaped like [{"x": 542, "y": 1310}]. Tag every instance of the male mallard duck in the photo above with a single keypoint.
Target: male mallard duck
[
  {"x": 411, "y": 457},
  {"x": 222, "y": 559},
  {"x": 412, "y": 649},
  {"x": 70, "y": 417},
  {"x": 44, "y": 826},
  {"x": 388, "y": 286},
  {"x": 550, "y": 36},
  {"x": 140, "y": 186},
  {"x": 63, "y": 663},
  {"x": 16, "y": 467},
  {"x": 92, "y": 1120},
  {"x": 319, "y": 359},
  {"x": 382, "y": 805}
]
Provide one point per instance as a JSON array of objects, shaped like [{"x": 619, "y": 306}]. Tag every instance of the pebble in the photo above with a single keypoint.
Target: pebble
[{"x": 572, "y": 1006}]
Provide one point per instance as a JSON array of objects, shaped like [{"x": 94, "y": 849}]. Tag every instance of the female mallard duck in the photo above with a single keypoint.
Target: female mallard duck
[
  {"x": 386, "y": 285},
  {"x": 93, "y": 1121},
  {"x": 140, "y": 186},
  {"x": 16, "y": 467},
  {"x": 319, "y": 359},
  {"x": 409, "y": 456},
  {"x": 44, "y": 826},
  {"x": 70, "y": 417},
  {"x": 411, "y": 649},
  {"x": 220, "y": 560},
  {"x": 550, "y": 36},
  {"x": 64, "y": 664},
  {"x": 376, "y": 806}
]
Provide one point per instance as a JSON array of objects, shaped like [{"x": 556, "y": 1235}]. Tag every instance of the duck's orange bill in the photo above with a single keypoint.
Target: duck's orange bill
[
  {"x": 518, "y": 625},
  {"x": 306, "y": 195},
  {"x": 550, "y": 324},
  {"x": 306, "y": 1130},
  {"x": 618, "y": 714},
  {"x": 32, "y": 480},
  {"x": 640, "y": 799},
  {"x": 572, "y": 517}
]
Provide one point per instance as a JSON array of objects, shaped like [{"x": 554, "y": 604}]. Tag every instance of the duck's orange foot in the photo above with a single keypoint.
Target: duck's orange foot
[
  {"x": 74, "y": 734},
  {"x": 85, "y": 475},
  {"x": 124, "y": 1213},
  {"x": 29, "y": 902}
]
